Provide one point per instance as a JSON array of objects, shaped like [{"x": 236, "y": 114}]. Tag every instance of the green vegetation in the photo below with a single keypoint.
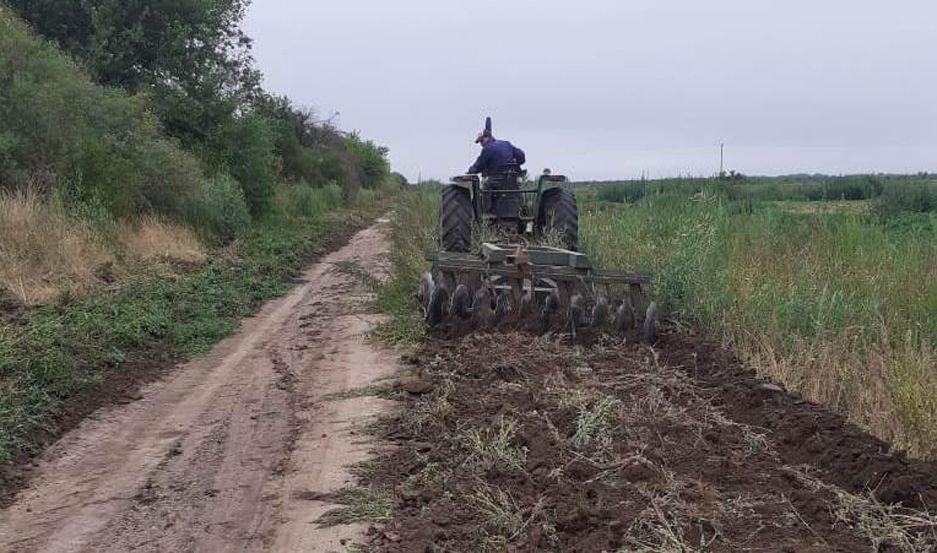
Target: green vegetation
[
  {"x": 414, "y": 232},
  {"x": 60, "y": 131},
  {"x": 136, "y": 144},
  {"x": 841, "y": 306},
  {"x": 789, "y": 188}
]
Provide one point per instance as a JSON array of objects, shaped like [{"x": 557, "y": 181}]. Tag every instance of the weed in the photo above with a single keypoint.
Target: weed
[
  {"x": 45, "y": 252},
  {"x": 504, "y": 520},
  {"x": 360, "y": 504},
  {"x": 595, "y": 422},
  {"x": 887, "y": 527},
  {"x": 491, "y": 448},
  {"x": 413, "y": 232},
  {"x": 430, "y": 410}
]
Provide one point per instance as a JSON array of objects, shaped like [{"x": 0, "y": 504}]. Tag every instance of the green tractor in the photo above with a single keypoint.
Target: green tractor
[
  {"x": 508, "y": 205},
  {"x": 533, "y": 267}
]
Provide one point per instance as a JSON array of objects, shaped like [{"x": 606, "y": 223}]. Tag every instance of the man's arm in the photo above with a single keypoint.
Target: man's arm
[
  {"x": 519, "y": 156},
  {"x": 481, "y": 164}
]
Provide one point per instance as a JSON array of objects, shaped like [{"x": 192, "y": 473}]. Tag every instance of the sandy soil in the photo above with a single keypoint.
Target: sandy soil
[{"x": 231, "y": 451}]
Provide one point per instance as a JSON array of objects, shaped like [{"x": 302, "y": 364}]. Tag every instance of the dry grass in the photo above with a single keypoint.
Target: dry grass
[
  {"x": 152, "y": 239},
  {"x": 44, "y": 252},
  {"x": 887, "y": 527},
  {"x": 491, "y": 448},
  {"x": 47, "y": 253}
]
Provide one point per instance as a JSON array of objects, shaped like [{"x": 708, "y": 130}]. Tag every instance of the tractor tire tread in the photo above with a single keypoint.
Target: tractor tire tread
[
  {"x": 455, "y": 219},
  {"x": 560, "y": 211}
]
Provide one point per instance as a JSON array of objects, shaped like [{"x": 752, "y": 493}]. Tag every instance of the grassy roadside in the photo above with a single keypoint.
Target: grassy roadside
[
  {"x": 413, "y": 231},
  {"x": 57, "y": 363}
]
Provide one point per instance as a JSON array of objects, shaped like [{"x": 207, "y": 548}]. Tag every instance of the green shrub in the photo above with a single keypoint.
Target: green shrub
[
  {"x": 908, "y": 196},
  {"x": 219, "y": 210},
  {"x": 304, "y": 201},
  {"x": 61, "y": 132},
  {"x": 251, "y": 162},
  {"x": 371, "y": 160}
]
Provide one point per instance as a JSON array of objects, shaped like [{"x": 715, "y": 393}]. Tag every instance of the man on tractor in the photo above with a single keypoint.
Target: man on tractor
[
  {"x": 500, "y": 163},
  {"x": 497, "y": 155}
]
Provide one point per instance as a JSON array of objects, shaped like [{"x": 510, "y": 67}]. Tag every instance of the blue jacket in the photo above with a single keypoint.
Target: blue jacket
[{"x": 497, "y": 154}]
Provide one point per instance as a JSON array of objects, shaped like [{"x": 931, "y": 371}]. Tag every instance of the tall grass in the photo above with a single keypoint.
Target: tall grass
[
  {"x": 301, "y": 200},
  {"x": 807, "y": 188},
  {"x": 413, "y": 232},
  {"x": 839, "y": 307},
  {"x": 48, "y": 252},
  {"x": 44, "y": 251}
]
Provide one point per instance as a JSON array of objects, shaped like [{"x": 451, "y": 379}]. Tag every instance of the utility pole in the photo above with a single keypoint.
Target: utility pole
[{"x": 721, "y": 159}]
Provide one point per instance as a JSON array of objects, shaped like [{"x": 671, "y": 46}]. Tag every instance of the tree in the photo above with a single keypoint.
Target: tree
[{"x": 190, "y": 55}]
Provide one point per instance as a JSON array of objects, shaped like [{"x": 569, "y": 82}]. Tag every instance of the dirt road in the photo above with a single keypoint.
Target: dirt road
[{"x": 230, "y": 451}]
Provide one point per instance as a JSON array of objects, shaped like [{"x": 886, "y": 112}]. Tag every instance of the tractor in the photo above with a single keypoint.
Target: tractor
[{"x": 508, "y": 246}]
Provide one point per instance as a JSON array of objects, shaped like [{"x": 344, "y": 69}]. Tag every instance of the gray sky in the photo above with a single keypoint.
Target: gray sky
[{"x": 612, "y": 88}]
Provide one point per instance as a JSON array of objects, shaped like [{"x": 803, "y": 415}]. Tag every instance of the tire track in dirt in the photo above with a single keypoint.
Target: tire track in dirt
[{"x": 225, "y": 452}]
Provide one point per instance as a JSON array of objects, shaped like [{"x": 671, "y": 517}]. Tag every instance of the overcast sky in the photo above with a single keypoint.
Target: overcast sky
[{"x": 613, "y": 88}]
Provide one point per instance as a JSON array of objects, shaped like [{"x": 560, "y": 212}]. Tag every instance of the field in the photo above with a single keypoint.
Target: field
[
  {"x": 835, "y": 299},
  {"x": 609, "y": 445}
]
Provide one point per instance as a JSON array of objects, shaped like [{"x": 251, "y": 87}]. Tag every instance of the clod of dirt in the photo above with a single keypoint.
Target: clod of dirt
[{"x": 416, "y": 385}]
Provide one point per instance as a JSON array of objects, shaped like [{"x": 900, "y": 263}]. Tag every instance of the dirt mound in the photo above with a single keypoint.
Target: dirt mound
[
  {"x": 523, "y": 443},
  {"x": 803, "y": 432}
]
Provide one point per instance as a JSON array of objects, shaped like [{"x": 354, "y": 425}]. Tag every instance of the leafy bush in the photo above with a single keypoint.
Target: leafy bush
[
  {"x": 908, "y": 196},
  {"x": 219, "y": 210},
  {"x": 251, "y": 162},
  {"x": 371, "y": 160},
  {"x": 304, "y": 201},
  {"x": 61, "y": 132}
]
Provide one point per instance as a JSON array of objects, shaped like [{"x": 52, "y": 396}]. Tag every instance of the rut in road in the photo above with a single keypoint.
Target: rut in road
[{"x": 226, "y": 452}]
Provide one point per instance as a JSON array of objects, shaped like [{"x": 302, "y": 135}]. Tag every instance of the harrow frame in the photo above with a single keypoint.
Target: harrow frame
[{"x": 537, "y": 273}]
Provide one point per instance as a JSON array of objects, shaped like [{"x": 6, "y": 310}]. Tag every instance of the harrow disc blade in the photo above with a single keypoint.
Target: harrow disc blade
[
  {"x": 650, "y": 323},
  {"x": 576, "y": 310},
  {"x": 502, "y": 307},
  {"x": 461, "y": 302},
  {"x": 527, "y": 302},
  {"x": 600, "y": 312},
  {"x": 624, "y": 317},
  {"x": 550, "y": 306},
  {"x": 436, "y": 308},
  {"x": 426, "y": 289}
]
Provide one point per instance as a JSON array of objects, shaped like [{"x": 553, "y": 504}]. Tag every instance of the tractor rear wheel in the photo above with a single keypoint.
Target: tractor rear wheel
[
  {"x": 558, "y": 213},
  {"x": 455, "y": 219}
]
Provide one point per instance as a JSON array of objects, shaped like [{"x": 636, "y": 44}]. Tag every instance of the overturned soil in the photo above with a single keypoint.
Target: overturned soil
[
  {"x": 234, "y": 451},
  {"x": 514, "y": 442}
]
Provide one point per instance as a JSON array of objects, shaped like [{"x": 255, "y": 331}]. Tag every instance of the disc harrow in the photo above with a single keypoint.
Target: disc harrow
[{"x": 554, "y": 287}]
